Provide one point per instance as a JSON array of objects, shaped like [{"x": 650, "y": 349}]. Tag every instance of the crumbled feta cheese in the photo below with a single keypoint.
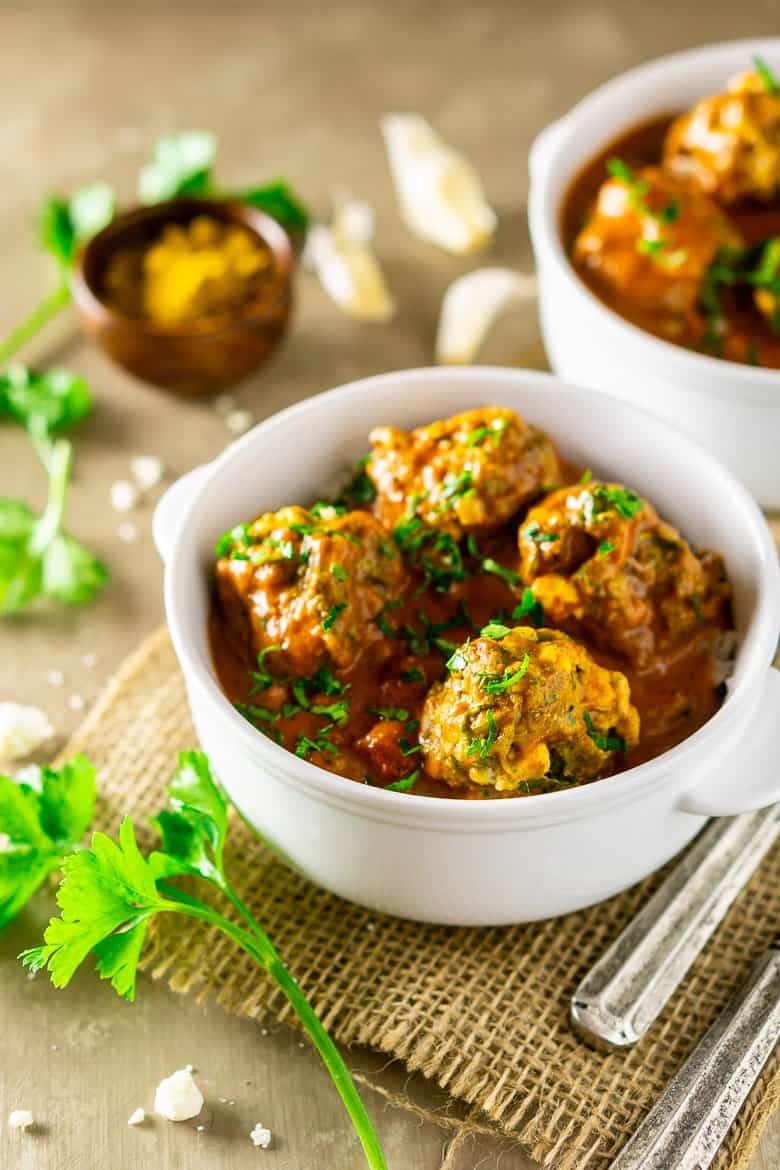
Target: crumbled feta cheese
[
  {"x": 439, "y": 191},
  {"x": 127, "y": 532},
  {"x": 178, "y": 1097},
  {"x": 77, "y": 702},
  {"x": 146, "y": 470},
  {"x": 22, "y": 730},
  {"x": 55, "y": 678},
  {"x": 20, "y": 1119},
  {"x": 124, "y": 495},
  {"x": 238, "y": 421},
  {"x": 137, "y": 1117},
  {"x": 261, "y": 1136},
  {"x": 470, "y": 306}
]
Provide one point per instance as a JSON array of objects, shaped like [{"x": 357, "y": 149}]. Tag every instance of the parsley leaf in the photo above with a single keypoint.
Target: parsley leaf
[
  {"x": 335, "y": 611},
  {"x": 534, "y": 532},
  {"x": 509, "y": 575},
  {"x": 395, "y": 713},
  {"x": 42, "y": 819},
  {"x": 494, "y": 630},
  {"x": 529, "y": 608},
  {"x": 767, "y": 76},
  {"x": 180, "y": 165},
  {"x": 605, "y": 743},
  {"x": 481, "y": 747},
  {"x": 405, "y": 784},
  {"x": 496, "y": 684},
  {"x": 625, "y": 502}
]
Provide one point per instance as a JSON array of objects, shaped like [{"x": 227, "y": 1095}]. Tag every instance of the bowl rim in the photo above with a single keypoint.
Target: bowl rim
[
  {"x": 544, "y": 214},
  {"x": 269, "y": 230},
  {"x": 495, "y": 814}
]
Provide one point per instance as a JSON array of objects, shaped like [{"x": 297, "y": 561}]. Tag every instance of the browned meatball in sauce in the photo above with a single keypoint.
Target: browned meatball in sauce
[
  {"x": 464, "y": 474},
  {"x": 313, "y": 585},
  {"x": 728, "y": 145},
  {"x": 529, "y": 712},
  {"x": 599, "y": 559},
  {"x": 651, "y": 239}
]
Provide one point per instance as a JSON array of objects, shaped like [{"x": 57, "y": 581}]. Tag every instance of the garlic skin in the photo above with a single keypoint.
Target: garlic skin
[
  {"x": 440, "y": 193},
  {"x": 470, "y": 306},
  {"x": 346, "y": 264}
]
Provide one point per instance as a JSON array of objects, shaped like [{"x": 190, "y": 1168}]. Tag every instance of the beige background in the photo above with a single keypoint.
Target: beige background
[{"x": 291, "y": 89}]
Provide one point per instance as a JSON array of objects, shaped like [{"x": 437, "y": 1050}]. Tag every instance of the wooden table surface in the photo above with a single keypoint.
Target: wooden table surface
[{"x": 294, "y": 90}]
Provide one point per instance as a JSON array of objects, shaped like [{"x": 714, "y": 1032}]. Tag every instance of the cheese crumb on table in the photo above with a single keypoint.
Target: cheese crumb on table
[
  {"x": 137, "y": 1117},
  {"x": 124, "y": 495},
  {"x": 238, "y": 421},
  {"x": 146, "y": 470},
  {"x": 178, "y": 1098},
  {"x": 127, "y": 532},
  {"x": 22, "y": 730},
  {"x": 20, "y": 1119},
  {"x": 261, "y": 1136}
]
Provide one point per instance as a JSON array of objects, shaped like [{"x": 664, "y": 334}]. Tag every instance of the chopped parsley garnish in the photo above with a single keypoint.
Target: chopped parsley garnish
[
  {"x": 360, "y": 489},
  {"x": 767, "y": 76},
  {"x": 481, "y": 747},
  {"x": 399, "y": 714},
  {"x": 650, "y": 247},
  {"x": 327, "y": 511},
  {"x": 336, "y": 610},
  {"x": 262, "y": 677},
  {"x": 606, "y": 546},
  {"x": 605, "y": 743},
  {"x": 529, "y": 608},
  {"x": 457, "y": 660},
  {"x": 494, "y": 630},
  {"x": 625, "y": 502},
  {"x": 509, "y": 575},
  {"x": 456, "y": 487},
  {"x": 239, "y": 535},
  {"x": 472, "y": 546},
  {"x": 534, "y": 532},
  {"x": 494, "y": 430},
  {"x": 320, "y": 743},
  {"x": 586, "y": 476},
  {"x": 325, "y": 681},
  {"x": 407, "y": 747},
  {"x": 496, "y": 684},
  {"x": 339, "y": 572},
  {"x": 436, "y": 552},
  {"x": 752, "y": 355},
  {"x": 421, "y": 643},
  {"x": 386, "y": 549},
  {"x": 405, "y": 784},
  {"x": 415, "y": 675}
]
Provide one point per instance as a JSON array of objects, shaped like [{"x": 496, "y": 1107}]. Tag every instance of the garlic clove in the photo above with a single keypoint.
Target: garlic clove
[
  {"x": 346, "y": 264},
  {"x": 440, "y": 193},
  {"x": 470, "y": 306}
]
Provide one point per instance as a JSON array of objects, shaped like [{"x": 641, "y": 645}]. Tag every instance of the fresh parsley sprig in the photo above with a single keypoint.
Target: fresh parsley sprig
[
  {"x": 111, "y": 892},
  {"x": 43, "y": 816},
  {"x": 37, "y": 558}
]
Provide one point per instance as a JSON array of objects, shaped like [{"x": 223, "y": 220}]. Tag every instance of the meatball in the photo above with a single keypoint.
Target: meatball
[
  {"x": 650, "y": 240},
  {"x": 310, "y": 584},
  {"x": 728, "y": 145},
  {"x": 528, "y": 712},
  {"x": 463, "y": 474},
  {"x": 598, "y": 558}
]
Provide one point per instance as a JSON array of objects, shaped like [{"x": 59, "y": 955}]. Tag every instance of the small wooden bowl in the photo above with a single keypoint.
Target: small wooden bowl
[{"x": 198, "y": 357}]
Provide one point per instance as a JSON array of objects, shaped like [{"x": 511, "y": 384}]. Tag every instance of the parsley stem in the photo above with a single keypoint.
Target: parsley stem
[
  {"x": 258, "y": 946},
  {"x": 58, "y": 467},
  {"x": 35, "y": 320}
]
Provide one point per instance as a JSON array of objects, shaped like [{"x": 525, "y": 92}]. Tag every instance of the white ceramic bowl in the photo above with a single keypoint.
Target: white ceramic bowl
[
  {"x": 480, "y": 862},
  {"x": 733, "y": 410}
]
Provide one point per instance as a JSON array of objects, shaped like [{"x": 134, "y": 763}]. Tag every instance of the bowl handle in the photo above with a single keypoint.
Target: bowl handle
[
  {"x": 749, "y": 778},
  {"x": 168, "y": 513}
]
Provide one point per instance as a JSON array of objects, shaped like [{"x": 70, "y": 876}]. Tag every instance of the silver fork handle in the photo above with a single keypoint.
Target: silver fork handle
[
  {"x": 624, "y": 992},
  {"x": 685, "y": 1128}
]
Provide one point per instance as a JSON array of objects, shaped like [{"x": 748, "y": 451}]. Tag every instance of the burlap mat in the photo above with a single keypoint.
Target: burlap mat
[{"x": 482, "y": 1012}]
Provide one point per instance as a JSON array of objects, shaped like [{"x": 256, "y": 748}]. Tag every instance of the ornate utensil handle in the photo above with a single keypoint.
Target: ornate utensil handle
[
  {"x": 686, "y": 1127},
  {"x": 624, "y": 992}
]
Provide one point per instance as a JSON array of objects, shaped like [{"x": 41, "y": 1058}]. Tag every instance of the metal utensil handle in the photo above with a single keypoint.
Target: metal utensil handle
[
  {"x": 624, "y": 992},
  {"x": 685, "y": 1128}
]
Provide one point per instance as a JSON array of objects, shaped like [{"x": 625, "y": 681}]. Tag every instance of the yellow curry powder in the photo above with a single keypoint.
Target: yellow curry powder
[{"x": 205, "y": 268}]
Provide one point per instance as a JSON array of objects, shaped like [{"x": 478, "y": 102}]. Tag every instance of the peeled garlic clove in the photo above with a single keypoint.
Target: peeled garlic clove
[
  {"x": 471, "y": 305},
  {"x": 439, "y": 191},
  {"x": 355, "y": 220},
  {"x": 348, "y": 268}
]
